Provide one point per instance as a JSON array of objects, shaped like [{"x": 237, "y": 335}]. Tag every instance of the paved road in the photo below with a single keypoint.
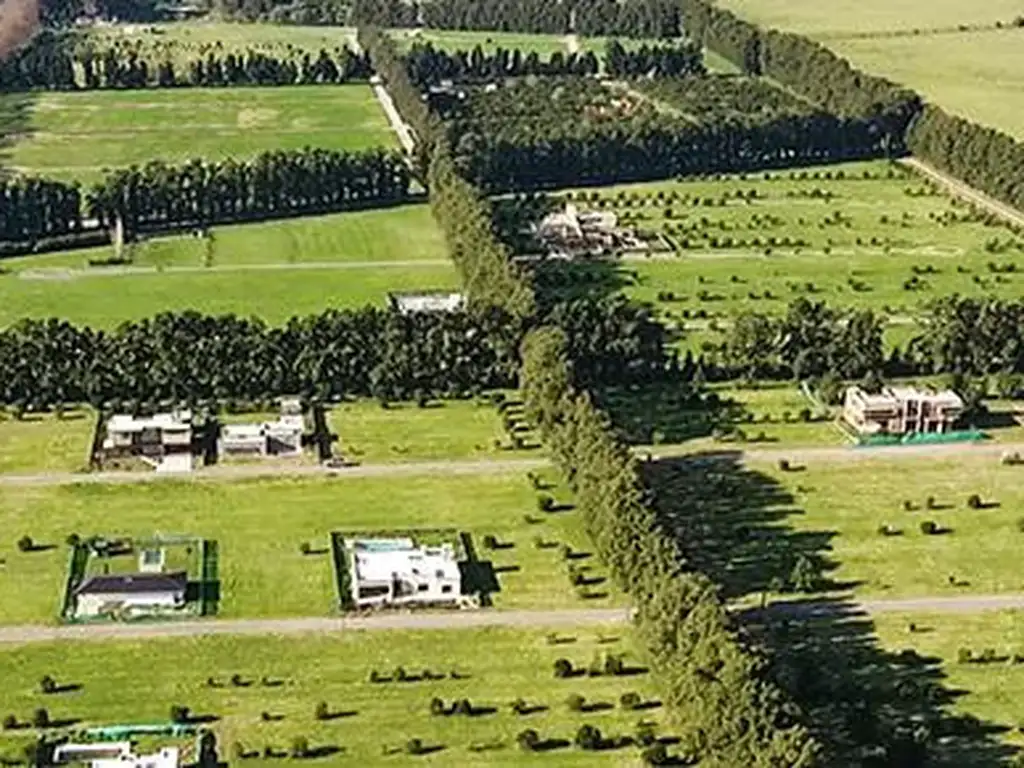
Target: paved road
[
  {"x": 388, "y": 621},
  {"x": 965, "y": 191},
  {"x": 405, "y": 136},
  {"x": 281, "y": 469}
]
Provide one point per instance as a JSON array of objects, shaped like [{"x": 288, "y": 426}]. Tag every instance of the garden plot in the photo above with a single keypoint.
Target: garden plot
[
  {"x": 267, "y": 693},
  {"x": 279, "y": 564}
]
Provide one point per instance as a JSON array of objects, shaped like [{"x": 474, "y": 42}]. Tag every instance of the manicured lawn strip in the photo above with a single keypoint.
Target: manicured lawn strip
[
  {"x": 230, "y": 35},
  {"x": 459, "y": 40},
  {"x": 44, "y": 443},
  {"x": 454, "y": 429},
  {"x": 137, "y": 682},
  {"x": 260, "y": 525},
  {"x": 852, "y": 499},
  {"x": 77, "y": 135}
]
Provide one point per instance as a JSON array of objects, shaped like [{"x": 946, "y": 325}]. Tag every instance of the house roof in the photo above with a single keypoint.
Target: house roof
[
  {"x": 133, "y": 583},
  {"x": 409, "y": 562}
]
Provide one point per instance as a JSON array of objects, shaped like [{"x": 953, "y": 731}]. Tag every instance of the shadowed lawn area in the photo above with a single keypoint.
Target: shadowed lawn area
[
  {"x": 44, "y": 443},
  {"x": 260, "y": 525},
  {"x": 138, "y": 682}
]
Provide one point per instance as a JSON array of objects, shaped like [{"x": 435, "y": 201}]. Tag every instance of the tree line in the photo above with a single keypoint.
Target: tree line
[
  {"x": 428, "y": 65},
  {"x": 654, "y": 60},
  {"x": 715, "y": 681},
  {"x": 50, "y": 62},
  {"x": 34, "y": 209}
]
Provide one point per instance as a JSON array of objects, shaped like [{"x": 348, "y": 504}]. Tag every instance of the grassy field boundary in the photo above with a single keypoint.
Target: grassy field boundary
[
  {"x": 209, "y": 578},
  {"x": 342, "y": 577},
  {"x": 77, "y": 559}
]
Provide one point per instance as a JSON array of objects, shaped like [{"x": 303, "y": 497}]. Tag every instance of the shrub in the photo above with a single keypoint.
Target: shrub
[
  {"x": 613, "y": 665},
  {"x": 545, "y": 503},
  {"x": 266, "y": 717},
  {"x": 300, "y": 747},
  {"x": 528, "y": 740},
  {"x": 47, "y": 684},
  {"x": 629, "y": 700},
  {"x": 10, "y": 722},
  {"x": 73, "y": 540},
  {"x": 25, "y": 544},
  {"x": 563, "y": 668},
  {"x": 974, "y": 501},
  {"x": 575, "y": 702},
  {"x": 645, "y": 734},
  {"x": 415, "y": 747},
  {"x": 237, "y": 681},
  {"x": 490, "y": 541},
  {"x": 907, "y": 506},
  {"x": 784, "y": 465},
  {"x": 40, "y": 718},
  {"x": 400, "y": 675},
  {"x": 518, "y": 707},
  {"x": 964, "y": 656},
  {"x": 929, "y": 527},
  {"x": 929, "y": 503},
  {"x": 588, "y": 737},
  {"x": 304, "y": 548},
  {"x": 655, "y": 754},
  {"x": 804, "y": 414},
  {"x": 463, "y": 707},
  {"x": 179, "y": 714},
  {"x": 321, "y": 711},
  {"x": 376, "y": 677}
]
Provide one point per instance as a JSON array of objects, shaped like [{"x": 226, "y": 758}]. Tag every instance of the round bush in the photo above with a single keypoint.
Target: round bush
[
  {"x": 490, "y": 541},
  {"x": 563, "y": 668},
  {"x": 300, "y": 747},
  {"x": 414, "y": 747},
  {"x": 588, "y": 737},
  {"x": 10, "y": 722},
  {"x": 629, "y": 700},
  {"x": 40, "y": 718},
  {"x": 25, "y": 544},
  {"x": 974, "y": 501},
  {"x": 321, "y": 712},
  {"x": 528, "y": 740},
  {"x": 575, "y": 702},
  {"x": 929, "y": 527}
]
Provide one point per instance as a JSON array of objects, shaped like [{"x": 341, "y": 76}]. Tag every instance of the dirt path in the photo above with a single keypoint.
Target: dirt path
[
  {"x": 276, "y": 469},
  {"x": 403, "y": 131},
  {"x": 965, "y": 191},
  {"x": 570, "y": 618},
  {"x": 74, "y": 273}
]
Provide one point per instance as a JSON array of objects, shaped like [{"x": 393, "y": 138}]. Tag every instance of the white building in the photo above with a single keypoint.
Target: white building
[
  {"x": 901, "y": 410},
  {"x": 130, "y": 592},
  {"x": 269, "y": 438},
  {"x": 397, "y": 572},
  {"x": 574, "y": 231},
  {"x": 434, "y": 301},
  {"x": 164, "y": 440},
  {"x": 114, "y": 754}
]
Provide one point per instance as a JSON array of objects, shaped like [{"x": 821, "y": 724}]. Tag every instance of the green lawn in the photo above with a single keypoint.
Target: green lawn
[
  {"x": 495, "y": 666},
  {"x": 231, "y": 36},
  {"x": 44, "y": 443},
  {"x": 817, "y": 18},
  {"x": 78, "y": 135},
  {"x": 458, "y": 40},
  {"x": 847, "y": 502},
  {"x": 259, "y": 526},
  {"x": 981, "y": 77},
  {"x": 272, "y": 270},
  {"x": 450, "y": 429}
]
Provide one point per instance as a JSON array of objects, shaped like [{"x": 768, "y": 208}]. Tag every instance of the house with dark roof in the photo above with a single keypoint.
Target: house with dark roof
[{"x": 130, "y": 592}]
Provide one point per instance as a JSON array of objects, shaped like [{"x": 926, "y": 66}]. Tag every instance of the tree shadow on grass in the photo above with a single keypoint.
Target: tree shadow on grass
[
  {"x": 663, "y": 413},
  {"x": 870, "y": 706}
]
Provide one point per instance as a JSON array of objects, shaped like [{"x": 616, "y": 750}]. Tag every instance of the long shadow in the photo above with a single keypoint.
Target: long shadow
[
  {"x": 672, "y": 412},
  {"x": 871, "y": 707}
]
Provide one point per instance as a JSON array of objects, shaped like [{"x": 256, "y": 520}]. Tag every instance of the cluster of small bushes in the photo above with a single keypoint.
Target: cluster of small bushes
[
  {"x": 299, "y": 749},
  {"x": 514, "y": 422},
  {"x": 237, "y": 681},
  {"x": 401, "y": 675},
  {"x": 40, "y": 719},
  {"x": 439, "y": 708},
  {"x": 602, "y": 664},
  {"x": 986, "y": 656}
]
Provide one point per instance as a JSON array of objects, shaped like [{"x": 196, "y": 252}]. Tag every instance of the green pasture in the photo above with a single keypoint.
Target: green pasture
[
  {"x": 230, "y": 35},
  {"x": 990, "y": 691},
  {"x": 981, "y": 76},
  {"x": 846, "y": 502},
  {"x": 273, "y": 270},
  {"x": 458, "y": 40},
  {"x": 79, "y": 135},
  {"x": 259, "y": 526},
  {"x": 46, "y": 443},
  {"x": 495, "y": 667},
  {"x": 862, "y": 16},
  {"x": 447, "y": 429}
]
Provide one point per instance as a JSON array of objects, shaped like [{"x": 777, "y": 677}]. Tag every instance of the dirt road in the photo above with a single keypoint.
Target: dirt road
[
  {"x": 278, "y": 469},
  {"x": 319, "y": 625},
  {"x": 965, "y": 191}
]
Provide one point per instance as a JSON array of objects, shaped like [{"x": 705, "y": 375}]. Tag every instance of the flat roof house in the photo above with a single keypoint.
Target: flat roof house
[
  {"x": 901, "y": 410},
  {"x": 282, "y": 437},
  {"x": 115, "y": 754},
  {"x": 397, "y": 572},
  {"x": 428, "y": 301},
  {"x": 102, "y": 595},
  {"x": 164, "y": 439}
]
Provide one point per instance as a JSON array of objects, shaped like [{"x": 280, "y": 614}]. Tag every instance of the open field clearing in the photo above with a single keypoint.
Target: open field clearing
[
  {"x": 230, "y": 36},
  {"x": 273, "y": 270},
  {"x": 840, "y": 509},
  {"x": 450, "y": 429},
  {"x": 981, "y": 77},
  {"x": 42, "y": 442},
  {"x": 459, "y": 40},
  {"x": 495, "y": 667},
  {"x": 78, "y": 135},
  {"x": 260, "y": 525},
  {"x": 990, "y": 690},
  {"x": 817, "y": 19}
]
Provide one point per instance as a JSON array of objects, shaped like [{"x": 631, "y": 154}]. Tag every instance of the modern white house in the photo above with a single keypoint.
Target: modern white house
[
  {"x": 901, "y": 410},
  {"x": 130, "y": 592},
  {"x": 431, "y": 301},
  {"x": 114, "y": 754},
  {"x": 282, "y": 437},
  {"x": 398, "y": 572},
  {"x": 164, "y": 440}
]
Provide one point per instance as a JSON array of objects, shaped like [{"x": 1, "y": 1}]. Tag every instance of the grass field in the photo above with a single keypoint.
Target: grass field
[
  {"x": 272, "y": 270},
  {"x": 849, "y": 241},
  {"x": 453, "y": 429},
  {"x": 259, "y": 526},
  {"x": 845, "y": 504},
  {"x": 495, "y": 667},
  {"x": 42, "y": 442},
  {"x": 231, "y": 36},
  {"x": 980, "y": 77},
  {"x": 458, "y": 40},
  {"x": 816, "y": 18},
  {"x": 79, "y": 135}
]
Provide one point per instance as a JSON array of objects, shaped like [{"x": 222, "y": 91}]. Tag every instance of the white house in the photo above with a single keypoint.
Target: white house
[
  {"x": 164, "y": 439},
  {"x": 128, "y": 592},
  {"x": 397, "y": 572},
  {"x": 433, "y": 301},
  {"x": 901, "y": 410},
  {"x": 269, "y": 438},
  {"x": 166, "y": 757},
  {"x": 114, "y": 754}
]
